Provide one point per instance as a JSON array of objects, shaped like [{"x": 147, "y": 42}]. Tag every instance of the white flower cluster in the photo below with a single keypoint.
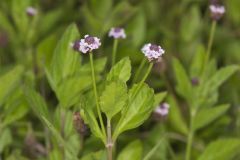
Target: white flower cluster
[
  {"x": 87, "y": 44},
  {"x": 152, "y": 51},
  {"x": 217, "y": 11}
]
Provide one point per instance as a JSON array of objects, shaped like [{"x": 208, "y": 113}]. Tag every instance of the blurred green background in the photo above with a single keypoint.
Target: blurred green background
[{"x": 181, "y": 27}]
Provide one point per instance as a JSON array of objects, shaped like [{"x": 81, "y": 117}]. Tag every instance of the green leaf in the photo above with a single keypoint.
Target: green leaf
[
  {"x": 20, "y": 18},
  {"x": 36, "y": 102},
  {"x": 138, "y": 109},
  {"x": 45, "y": 49},
  {"x": 73, "y": 143},
  {"x": 208, "y": 115},
  {"x": 17, "y": 111},
  {"x": 120, "y": 71},
  {"x": 54, "y": 131},
  {"x": 100, "y": 155},
  {"x": 90, "y": 119},
  {"x": 99, "y": 65},
  {"x": 6, "y": 25},
  {"x": 65, "y": 61},
  {"x": 9, "y": 81},
  {"x": 210, "y": 70},
  {"x": 190, "y": 24},
  {"x": 207, "y": 92},
  {"x": 233, "y": 11},
  {"x": 69, "y": 90},
  {"x": 137, "y": 29},
  {"x": 175, "y": 116},
  {"x": 113, "y": 98},
  {"x": 133, "y": 151},
  {"x": 220, "y": 77},
  {"x": 183, "y": 87},
  {"x": 101, "y": 9},
  {"x": 159, "y": 97},
  {"x": 5, "y": 139},
  {"x": 59, "y": 138},
  {"x": 223, "y": 149},
  {"x": 49, "y": 21},
  {"x": 197, "y": 64},
  {"x": 55, "y": 154}
]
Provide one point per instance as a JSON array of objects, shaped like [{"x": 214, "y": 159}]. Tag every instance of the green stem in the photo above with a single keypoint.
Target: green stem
[
  {"x": 47, "y": 140},
  {"x": 190, "y": 138},
  {"x": 145, "y": 77},
  {"x": 135, "y": 78},
  {"x": 114, "y": 52},
  {"x": 153, "y": 150},
  {"x": 172, "y": 154},
  {"x": 96, "y": 94},
  {"x": 109, "y": 140},
  {"x": 210, "y": 42}
]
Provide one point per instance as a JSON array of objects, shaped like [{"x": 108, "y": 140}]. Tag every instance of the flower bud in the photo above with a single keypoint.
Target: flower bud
[
  {"x": 117, "y": 33},
  {"x": 31, "y": 11},
  {"x": 79, "y": 124}
]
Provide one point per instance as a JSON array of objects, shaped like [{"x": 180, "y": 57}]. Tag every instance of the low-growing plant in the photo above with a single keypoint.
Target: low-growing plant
[{"x": 95, "y": 101}]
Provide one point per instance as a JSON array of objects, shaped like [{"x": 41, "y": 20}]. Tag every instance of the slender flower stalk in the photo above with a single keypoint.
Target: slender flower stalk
[
  {"x": 140, "y": 68},
  {"x": 190, "y": 137},
  {"x": 114, "y": 52},
  {"x": 96, "y": 94},
  {"x": 210, "y": 41},
  {"x": 217, "y": 11},
  {"x": 153, "y": 150},
  {"x": 116, "y": 33},
  {"x": 144, "y": 78},
  {"x": 109, "y": 140}
]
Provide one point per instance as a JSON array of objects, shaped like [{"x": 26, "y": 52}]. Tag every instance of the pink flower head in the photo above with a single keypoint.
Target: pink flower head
[
  {"x": 163, "y": 109},
  {"x": 31, "y": 11},
  {"x": 87, "y": 44},
  {"x": 117, "y": 33},
  {"x": 152, "y": 51},
  {"x": 217, "y": 11}
]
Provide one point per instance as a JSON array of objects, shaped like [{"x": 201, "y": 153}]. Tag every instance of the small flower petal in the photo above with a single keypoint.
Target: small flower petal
[
  {"x": 163, "y": 109},
  {"x": 31, "y": 11},
  {"x": 152, "y": 51},
  {"x": 217, "y": 11},
  {"x": 117, "y": 33}
]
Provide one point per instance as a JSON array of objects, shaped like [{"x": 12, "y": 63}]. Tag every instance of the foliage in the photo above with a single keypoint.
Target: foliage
[{"x": 49, "y": 104}]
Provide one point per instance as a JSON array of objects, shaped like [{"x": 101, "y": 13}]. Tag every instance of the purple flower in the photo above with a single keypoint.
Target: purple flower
[
  {"x": 217, "y": 11},
  {"x": 31, "y": 11},
  {"x": 87, "y": 44},
  {"x": 162, "y": 110},
  {"x": 195, "y": 81},
  {"x": 117, "y": 33},
  {"x": 152, "y": 51}
]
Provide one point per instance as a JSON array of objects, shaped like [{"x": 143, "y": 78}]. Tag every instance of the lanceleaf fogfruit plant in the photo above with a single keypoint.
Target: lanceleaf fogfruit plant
[{"x": 106, "y": 103}]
